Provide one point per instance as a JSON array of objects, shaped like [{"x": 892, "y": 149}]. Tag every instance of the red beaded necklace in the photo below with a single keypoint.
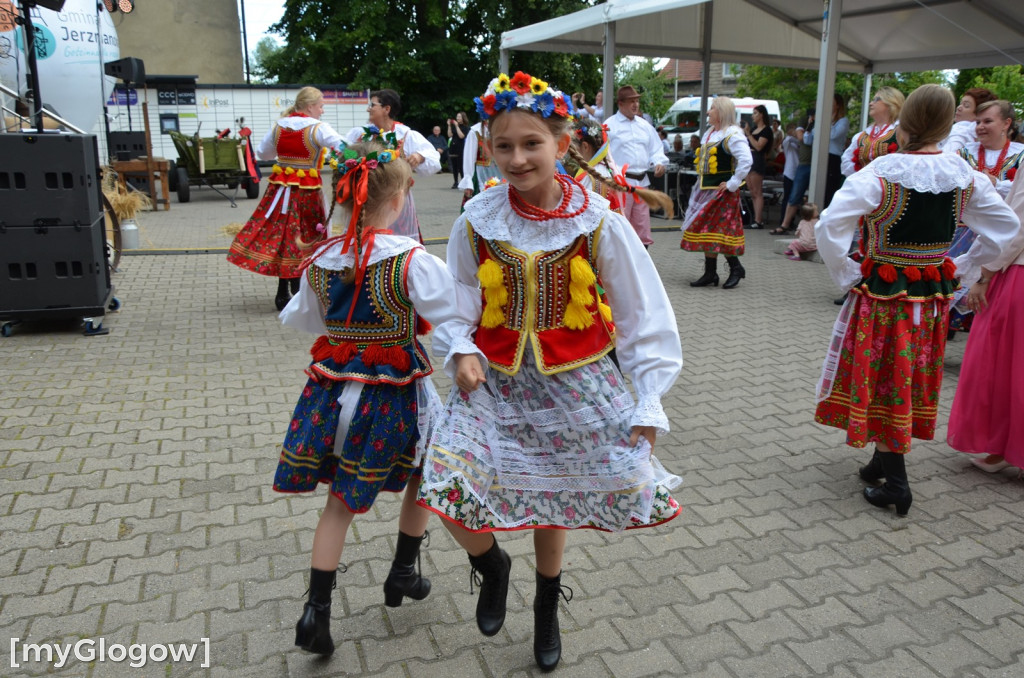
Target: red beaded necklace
[
  {"x": 999, "y": 162},
  {"x": 534, "y": 213}
]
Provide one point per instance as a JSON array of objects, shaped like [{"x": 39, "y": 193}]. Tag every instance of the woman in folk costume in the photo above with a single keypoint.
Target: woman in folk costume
[
  {"x": 477, "y": 164},
  {"x": 883, "y": 370},
  {"x": 713, "y": 223},
  {"x": 541, "y": 431},
  {"x": 590, "y": 139},
  {"x": 985, "y": 419},
  {"x": 293, "y": 205},
  {"x": 998, "y": 158},
  {"x": 384, "y": 108},
  {"x": 364, "y": 416},
  {"x": 965, "y": 119},
  {"x": 880, "y": 138}
]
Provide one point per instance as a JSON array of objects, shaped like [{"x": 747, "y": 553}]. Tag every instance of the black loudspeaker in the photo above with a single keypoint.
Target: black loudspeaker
[
  {"x": 48, "y": 179},
  {"x": 53, "y": 259},
  {"x": 131, "y": 70},
  {"x": 132, "y": 143}
]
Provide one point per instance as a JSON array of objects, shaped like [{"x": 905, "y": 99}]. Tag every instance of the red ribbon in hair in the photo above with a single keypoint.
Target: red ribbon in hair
[{"x": 620, "y": 179}]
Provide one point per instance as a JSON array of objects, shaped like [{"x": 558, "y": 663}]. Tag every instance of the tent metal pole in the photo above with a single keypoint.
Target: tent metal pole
[
  {"x": 503, "y": 60},
  {"x": 608, "y": 85},
  {"x": 833, "y": 10},
  {"x": 707, "y": 15},
  {"x": 866, "y": 101}
]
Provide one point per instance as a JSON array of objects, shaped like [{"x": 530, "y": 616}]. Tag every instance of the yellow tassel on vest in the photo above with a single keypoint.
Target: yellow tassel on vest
[
  {"x": 301, "y": 174},
  {"x": 581, "y": 278},
  {"x": 276, "y": 169},
  {"x": 289, "y": 170},
  {"x": 606, "y": 311},
  {"x": 495, "y": 294}
]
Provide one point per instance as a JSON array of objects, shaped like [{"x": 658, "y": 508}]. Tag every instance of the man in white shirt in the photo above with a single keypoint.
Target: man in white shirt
[{"x": 634, "y": 142}]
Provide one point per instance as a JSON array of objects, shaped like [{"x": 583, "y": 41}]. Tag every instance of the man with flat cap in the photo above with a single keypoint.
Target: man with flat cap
[{"x": 634, "y": 142}]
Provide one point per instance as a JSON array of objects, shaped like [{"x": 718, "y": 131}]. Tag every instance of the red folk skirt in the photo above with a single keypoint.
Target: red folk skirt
[
  {"x": 889, "y": 373},
  {"x": 269, "y": 244},
  {"x": 713, "y": 223}
]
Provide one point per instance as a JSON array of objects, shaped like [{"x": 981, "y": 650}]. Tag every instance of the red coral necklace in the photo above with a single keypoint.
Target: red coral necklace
[
  {"x": 534, "y": 213},
  {"x": 994, "y": 170}
]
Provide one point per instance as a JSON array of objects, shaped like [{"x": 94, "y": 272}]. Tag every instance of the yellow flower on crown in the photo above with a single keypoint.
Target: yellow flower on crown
[
  {"x": 538, "y": 86},
  {"x": 502, "y": 85}
]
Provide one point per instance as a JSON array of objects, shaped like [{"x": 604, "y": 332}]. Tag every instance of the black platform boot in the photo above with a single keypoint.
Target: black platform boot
[
  {"x": 405, "y": 578},
  {"x": 293, "y": 285},
  {"x": 872, "y": 471},
  {"x": 547, "y": 643},
  {"x": 283, "y": 296},
  {"x": 710, "y": 276},
  {"x": 313, "y": 631},
  {"x": 896, "y": 489},
  {"x": 736, "y": 273},
  {"x": 490, "y": 573}
]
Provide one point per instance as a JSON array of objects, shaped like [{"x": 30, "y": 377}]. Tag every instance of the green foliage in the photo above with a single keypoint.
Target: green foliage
[
  {"x": 1006, "y": 81},
  {"x": 437, "y": 54},
  {"x": 796, "y": 89},
  {"x": 265, "y": 50},
  {"x": 654, "y": 88}
]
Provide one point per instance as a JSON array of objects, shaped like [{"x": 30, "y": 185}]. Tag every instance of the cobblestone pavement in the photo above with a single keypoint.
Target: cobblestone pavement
[{"x": 135, "y": 501}]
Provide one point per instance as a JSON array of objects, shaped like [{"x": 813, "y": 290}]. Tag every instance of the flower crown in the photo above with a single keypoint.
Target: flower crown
[
  {"x": 523, "y": 91},
  {"x": 593, "y": 132},
  {"x": 348, "y": 160},
  {"x": 385, "y": 139}
]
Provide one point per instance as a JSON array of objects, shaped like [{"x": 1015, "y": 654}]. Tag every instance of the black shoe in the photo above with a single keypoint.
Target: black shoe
[
  {"x": 405, "y": 580},
  {"x": 841, "y": 300},
  {"x": 710, "y": 276},
  {"x": 896, "y": 490},
  {"x": 872, "y": 471},
  {"x": 736, "y": 273},
  {"x": 293, "y": 285},
  {"x": 313, "y": 630},
  {"x": 490, "y": 573},
  {"x": 755, "y": 225},
  {"x": 547, "y": 642},
  {"x": 283, "y": 295},
  {"x": 455, "y": 185}
]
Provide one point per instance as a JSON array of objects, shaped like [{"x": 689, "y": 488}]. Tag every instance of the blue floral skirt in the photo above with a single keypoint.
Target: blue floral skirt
[{"x": 377, "y": 454}]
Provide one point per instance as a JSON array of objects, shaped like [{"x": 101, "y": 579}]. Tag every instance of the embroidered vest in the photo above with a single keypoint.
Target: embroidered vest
[
  {"x": 1011, "y": 162},
  {"x": 868, "y": 149},
  {"x": 547, "y": 299},
  {"x": 714, "y": 163},
  {"x": 906, "y": 239},
  {"x": 379, "y": 344},
  {"x": 299, "y": 158}
]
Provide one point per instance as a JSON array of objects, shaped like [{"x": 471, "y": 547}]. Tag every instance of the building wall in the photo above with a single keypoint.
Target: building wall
[
  {"x": 185, "y": 37},
  {"x": 718, "y": 82}
]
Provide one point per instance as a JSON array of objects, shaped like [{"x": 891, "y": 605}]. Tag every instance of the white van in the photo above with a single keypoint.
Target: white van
[{"x": 683, "y": 117}]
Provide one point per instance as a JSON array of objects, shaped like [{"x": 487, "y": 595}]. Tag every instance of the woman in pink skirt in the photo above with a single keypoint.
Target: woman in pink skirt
[{"x": 986, "y": 416}]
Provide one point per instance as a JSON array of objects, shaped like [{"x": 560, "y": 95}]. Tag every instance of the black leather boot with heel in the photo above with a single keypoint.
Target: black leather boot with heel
[
  {"x": 710, "y": 276},
  {"x": 736, "y": 273},
  {"x": 490, "y": 572},
  {"x": 896, "y": 489},
  {"x": 405, "y": 579},
  {"x": 313, "y": 630},
  {"x": 547, "y": 642},
  {"x": 293, "y": 285},
  {"x": 872, "y": 471},
  {"x": 283, "y": 295}
]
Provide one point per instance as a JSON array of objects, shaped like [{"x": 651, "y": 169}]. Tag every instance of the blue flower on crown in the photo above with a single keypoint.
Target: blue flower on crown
[
  {"x": 505, "y": 100},
  {"x": 544, "y": 104}
]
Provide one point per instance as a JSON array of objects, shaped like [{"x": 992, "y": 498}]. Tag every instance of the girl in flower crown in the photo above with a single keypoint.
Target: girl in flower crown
[
  {"x": 383, "y": 110},
  {"x": 293, "y": 204},
  {"x": 541, "y": 430},
  {"x": 363, "y": 418}
]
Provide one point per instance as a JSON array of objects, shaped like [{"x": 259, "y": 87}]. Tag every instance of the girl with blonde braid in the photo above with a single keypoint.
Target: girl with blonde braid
[
  {"x": 541, "y": 431},
  {"x": 364, "y": 416}
]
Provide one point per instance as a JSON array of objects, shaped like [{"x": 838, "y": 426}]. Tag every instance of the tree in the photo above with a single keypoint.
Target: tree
[
  {"x": 266, "y": 50},
  {"x": 646, "y": 77},
  {"x": 796, "y": 90},
  {"x": 1006, "y": 81},
  {"x": 438, "y": 54}
]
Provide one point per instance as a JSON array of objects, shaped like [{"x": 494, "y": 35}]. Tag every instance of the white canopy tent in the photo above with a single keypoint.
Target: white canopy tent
[{"x": 865, "y": 36}]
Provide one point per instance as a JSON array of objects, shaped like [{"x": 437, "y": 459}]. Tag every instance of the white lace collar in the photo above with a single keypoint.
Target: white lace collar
[
  {"x": 936, "y": 173},
  {"x": 492, "y": 217},
  {"x": 385, "y": 246}
]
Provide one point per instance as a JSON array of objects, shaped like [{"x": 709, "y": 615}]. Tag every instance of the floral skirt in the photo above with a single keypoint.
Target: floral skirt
[
  {"x": 889, "y": 373},
  {"x": 713, "y": 223},
  {"x": 268, "y": 244},
  {"x": 377, "y": 454},
  {"x": 989, "y": 401},
  {"x": 531, "y": 450}
]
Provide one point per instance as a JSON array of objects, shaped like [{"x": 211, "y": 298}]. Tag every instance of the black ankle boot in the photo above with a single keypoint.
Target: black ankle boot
[
  {"x": 736, "y": 273},
  {"x": 283, "y": 295},
  {"x": 313, "y": 631},
  {"x": 547, "y": 643},
  {"x": 710, "y": 276},
  {"x": 293, "y": 285},
  {"x": 404, "y": 578},
  {"x": 872, "y": 471},
  {"x": 896, "y": 489},
  {"x": 490, "y": 573}
]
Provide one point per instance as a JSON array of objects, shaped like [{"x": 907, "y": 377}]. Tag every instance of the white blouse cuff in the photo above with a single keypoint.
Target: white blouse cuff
[
  {"x": 966, "y": 271},
  {"x": 461, "y": 345},
  {"x": 649, "y": 412},
  {"x": 850, "y": 275}
]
